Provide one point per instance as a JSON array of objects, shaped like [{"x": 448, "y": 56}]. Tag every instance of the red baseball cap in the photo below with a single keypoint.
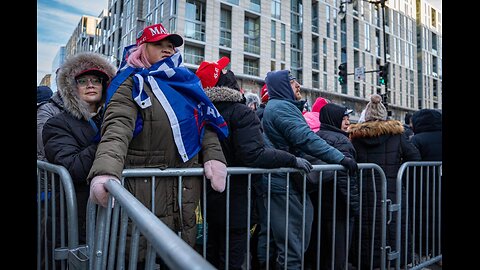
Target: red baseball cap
[
  {"x": 157, "y": 32},
  {"x": 93, "y": 71},
  {"x": 209, "y": 72},
  {"x": 264, "y": 93}
]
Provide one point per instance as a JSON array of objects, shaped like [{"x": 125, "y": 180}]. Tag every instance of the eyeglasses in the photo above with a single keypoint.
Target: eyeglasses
[{"x": 84, "y": 81}]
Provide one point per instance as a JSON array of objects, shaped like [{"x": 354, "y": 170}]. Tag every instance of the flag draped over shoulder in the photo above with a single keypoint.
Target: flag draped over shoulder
[{"x": 181, "y": 95}]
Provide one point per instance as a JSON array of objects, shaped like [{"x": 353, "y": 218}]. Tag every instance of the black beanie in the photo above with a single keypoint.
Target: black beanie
[{"x": 228, "y": 80}]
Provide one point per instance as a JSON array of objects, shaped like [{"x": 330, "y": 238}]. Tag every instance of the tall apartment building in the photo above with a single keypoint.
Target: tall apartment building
[
  {"x": 429, "y": 51},
  {"x": 306, "y": 36},
  {"x": 83, "y": 36}
]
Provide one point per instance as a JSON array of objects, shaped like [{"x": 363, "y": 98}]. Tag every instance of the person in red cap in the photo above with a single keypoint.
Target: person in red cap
[
  {"x": 245, "y": 147},
  {"x": 68, "y": 136},
  {"x": 176, "y": 130}
]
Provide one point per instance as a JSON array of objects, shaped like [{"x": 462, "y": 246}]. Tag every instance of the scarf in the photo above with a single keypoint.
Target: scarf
[{"x": 180, "y": 93}]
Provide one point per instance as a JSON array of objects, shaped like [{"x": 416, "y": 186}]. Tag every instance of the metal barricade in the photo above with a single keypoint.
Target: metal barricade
[
  {"x": 102, "y": 236},
  {"x": 57, "y": 223},
  {"x": 107, "y": 227},
  {"x": 118, "y": 245},
  {"x": 422, "y": 239}
]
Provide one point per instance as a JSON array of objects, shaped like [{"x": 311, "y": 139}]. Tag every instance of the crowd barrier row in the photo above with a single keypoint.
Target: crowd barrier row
[{"x": 408, "y": 234}]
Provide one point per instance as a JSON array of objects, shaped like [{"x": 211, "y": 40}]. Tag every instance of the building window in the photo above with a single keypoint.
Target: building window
[
  {"x": 172, "y": 25},
  {"x": 194, "y": 55},
  {"x": 273, "y": 50},
  {"x": 272, "y": 65},
  {"x": 274, "y": 30},
  {"x": 255, "y": 5},
  {"x": 356, "y": 34},
  {"x": 250, "y": 66},
  {"x": 173, "y": 7},
  {"x": 282, "y": 52},
  {"x": 225, "y": 28},
  {"x": 315, "y": 80},
  {"x": 195, "y": 20},
  {"x": 275, "y": 8},
  {"x": 296, "y": 59},
  {"x": 315, "y": 17},
  {"x": 367, "y": 37},
  {"x": 327, "y": 19},
  {"x": 315, "y": 53},
  {"x": 235, "y": 2},
  {"x": 251, "y": 39}
]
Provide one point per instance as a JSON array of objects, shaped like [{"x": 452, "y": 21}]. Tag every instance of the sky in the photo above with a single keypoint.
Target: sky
[{"x": 56, "y": 20}]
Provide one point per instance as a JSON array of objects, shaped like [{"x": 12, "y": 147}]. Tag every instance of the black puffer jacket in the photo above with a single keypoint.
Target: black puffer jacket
[
  {"x": 243, "y": 147},
  {"x": 68, "y": 137},
  {"x": 383, "y": 143},
  {"x": 331, "y": 116},
  {"x": 427, "y": 125}
]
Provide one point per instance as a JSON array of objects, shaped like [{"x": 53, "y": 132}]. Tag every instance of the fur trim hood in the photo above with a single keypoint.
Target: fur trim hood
[
  {"x": 224, "y": 94},
  {"x": 375, "y": 129},
  {"x": 66, "y": 80}
]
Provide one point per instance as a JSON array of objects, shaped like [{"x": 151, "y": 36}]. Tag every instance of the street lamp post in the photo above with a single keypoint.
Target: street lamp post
[{"x": 342, "y": 12}]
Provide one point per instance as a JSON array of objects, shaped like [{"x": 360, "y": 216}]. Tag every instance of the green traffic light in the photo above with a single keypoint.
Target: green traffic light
[
  {"x": 341, "y": 80},
  {"x": 381, "y": 81}
]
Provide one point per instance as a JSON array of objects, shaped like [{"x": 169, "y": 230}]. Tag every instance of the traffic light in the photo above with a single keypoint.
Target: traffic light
[
  {"x": 383, "y": 74},
  {"x": 342, "y": 73}
]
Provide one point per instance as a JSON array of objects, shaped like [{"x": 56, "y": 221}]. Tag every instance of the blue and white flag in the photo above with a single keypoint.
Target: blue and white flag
[{"x": 180, "y": 93}]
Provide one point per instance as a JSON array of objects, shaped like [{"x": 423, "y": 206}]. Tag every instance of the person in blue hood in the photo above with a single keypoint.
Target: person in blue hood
[{"x": 286, "y": 129}]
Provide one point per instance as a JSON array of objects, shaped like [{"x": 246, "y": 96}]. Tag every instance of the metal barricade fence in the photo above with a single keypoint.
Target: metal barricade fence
[
  {"x": 102, "y": 235},
  {"x": 57, "y": 225},
  {"x": 107, "y": 229},
  {"x": 118, "y": 245},
  {"x": 422, "y": 238}
]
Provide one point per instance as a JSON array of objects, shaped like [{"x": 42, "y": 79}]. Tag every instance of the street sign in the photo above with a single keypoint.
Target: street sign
[{"x": 360, "y": 73}]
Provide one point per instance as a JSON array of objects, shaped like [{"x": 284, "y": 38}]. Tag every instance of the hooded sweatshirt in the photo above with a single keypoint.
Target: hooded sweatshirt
[{"x": 285, "y": 126}]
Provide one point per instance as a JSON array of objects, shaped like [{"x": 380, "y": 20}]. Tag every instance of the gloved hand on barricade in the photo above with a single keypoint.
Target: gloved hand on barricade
[
  {"x": 216, "y": 171},
  {"x": 304, "y": 164},
  {"x": 98, "y": 192},
  {"x": 350, "y": 164}
]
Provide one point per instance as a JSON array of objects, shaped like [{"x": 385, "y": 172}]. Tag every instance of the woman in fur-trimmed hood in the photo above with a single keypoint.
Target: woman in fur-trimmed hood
[
  {"x": 82, "y": 63},
  {"x": 69, "y": 137},
  {"x": 380, "y": 141}
]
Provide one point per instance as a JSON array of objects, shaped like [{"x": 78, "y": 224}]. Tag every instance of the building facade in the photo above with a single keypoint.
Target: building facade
[{"x": 309, "y": 37}]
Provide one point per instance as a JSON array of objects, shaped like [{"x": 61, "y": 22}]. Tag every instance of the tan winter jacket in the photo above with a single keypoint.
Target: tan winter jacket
[{"x": 154, "y": 147}]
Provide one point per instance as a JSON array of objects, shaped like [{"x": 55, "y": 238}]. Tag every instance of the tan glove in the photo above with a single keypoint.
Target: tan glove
[
  {"x": 216, "y": 171},
  {"x": 98, "y": 192}
]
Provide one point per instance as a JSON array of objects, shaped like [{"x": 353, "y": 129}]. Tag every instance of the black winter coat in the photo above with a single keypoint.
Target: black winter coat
[
  {"x": 383, "y": 143},
  {"x": 338, "y": 139},
  {"x": 243, "y": 147},
  {"x": 427, "y": 124},
  {"x": 69, "y": 142}
]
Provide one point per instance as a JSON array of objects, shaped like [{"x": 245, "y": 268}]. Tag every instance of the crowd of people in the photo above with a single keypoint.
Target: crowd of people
[{"x": 154, "y": 112}]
